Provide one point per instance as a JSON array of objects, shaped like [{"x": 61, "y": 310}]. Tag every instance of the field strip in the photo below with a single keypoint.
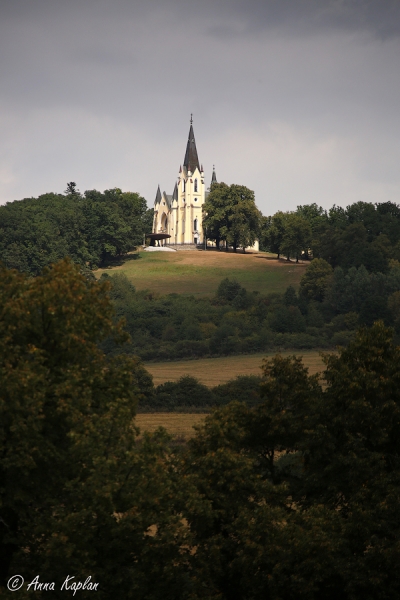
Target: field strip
[
  {"x": 213, "y": 371},
  {"x": 180, "y": 424}
]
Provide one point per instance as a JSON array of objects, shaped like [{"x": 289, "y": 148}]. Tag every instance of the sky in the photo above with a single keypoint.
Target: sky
[{"x": 299, "y": 100}]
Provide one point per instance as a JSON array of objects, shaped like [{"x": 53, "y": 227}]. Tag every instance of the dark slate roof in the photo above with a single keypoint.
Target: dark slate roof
[
  {"x": 167, "y": 198},
  {"x": 158, "y": 196},
  {"x": 191, "y": 159},
  {"x": 175, "y": 192},
  {"x": 214, "y": 177}
]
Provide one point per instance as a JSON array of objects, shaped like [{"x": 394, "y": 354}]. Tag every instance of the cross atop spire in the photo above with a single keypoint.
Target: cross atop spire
[{"x": 191, "y": 159}]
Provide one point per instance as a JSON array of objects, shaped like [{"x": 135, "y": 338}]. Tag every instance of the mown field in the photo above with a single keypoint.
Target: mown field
[
  {"x": 212, "y": 371},
  {"x": 177, "y": 424},
  {"x": 199, "y": 273}
]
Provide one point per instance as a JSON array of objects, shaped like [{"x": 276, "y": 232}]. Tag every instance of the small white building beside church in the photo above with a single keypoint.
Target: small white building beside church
[{"x": 180, "y": 214}]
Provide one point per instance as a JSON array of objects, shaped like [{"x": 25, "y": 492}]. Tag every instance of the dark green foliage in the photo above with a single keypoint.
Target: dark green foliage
[
  {"x": 189, "y": 395},
  {"x": 245, "y": 388},
  {"x": 295, "y": 497},
  {"x": 78, "y": 495},
  {"x": 230, "y": 215},
  {"x": 316, "y": 280},
  {"x": 362, "y": 234},
  {"x": 300, "y": 494},
  {"x": 91, "y": 229},
  {"x": 186, "y": 393},
  {"x": 374, "y": 309},
  {"x": 287, "y": 319},
  {"x": 228, "y": 289},
  {"x": 236, "y": 321},
  {"x": 290, "y": 296}
]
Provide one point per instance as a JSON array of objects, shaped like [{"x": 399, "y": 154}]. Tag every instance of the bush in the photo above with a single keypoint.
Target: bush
[
  {"x": 188, "y": 392},
  {"x": 287, "y": 319},
  {"x": 245, "y": 388},
  {"x": 342, "y": 338}
]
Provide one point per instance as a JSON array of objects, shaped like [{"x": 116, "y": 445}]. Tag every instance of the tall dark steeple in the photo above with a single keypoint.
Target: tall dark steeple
[
  {"x": 214, "y": 177},
  {"x": 191, "y": 159}
]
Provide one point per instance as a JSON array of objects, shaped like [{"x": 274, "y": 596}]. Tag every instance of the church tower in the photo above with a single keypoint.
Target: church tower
[{"x": 180, "y": 215}]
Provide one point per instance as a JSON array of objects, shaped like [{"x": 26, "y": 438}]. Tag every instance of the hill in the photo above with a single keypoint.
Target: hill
[{"x": 199, "y": 273}]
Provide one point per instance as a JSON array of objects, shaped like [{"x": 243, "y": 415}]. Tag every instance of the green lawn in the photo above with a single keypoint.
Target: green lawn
[{"x": 199, "y": 273}]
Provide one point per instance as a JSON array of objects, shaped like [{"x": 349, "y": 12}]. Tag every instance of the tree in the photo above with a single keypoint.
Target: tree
[
  {"x": 353, "y": 458},
  {"x": 315, "y": 281},
  {"x": 71, "y": 189},
  {"x": 316, "y": 217},
  {"x": 230, "y": 214},
  {"x": 91, "y": 229},
  {"x": 275, "y": 232},
  {"x": 184, "y": 393},
  {"x": 228, "y": 289},
  {"x": 78, "y": 494},
  {"x": 296, "y": 237},
  {"x": 299, "y": 495},
  {"x": 244, "y": 218},
  {"x": 215, "y": 217}
]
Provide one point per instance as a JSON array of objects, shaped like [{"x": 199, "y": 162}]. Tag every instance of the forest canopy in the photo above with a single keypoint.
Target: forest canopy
[
  {"x": 361, "y": 234},
  {"x": 294, "y": 497},
  {"x": 91, "y": 228}
]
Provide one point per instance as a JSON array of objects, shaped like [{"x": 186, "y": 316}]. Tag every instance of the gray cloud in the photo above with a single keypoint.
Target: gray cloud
[{"x": 298, "y": 99}]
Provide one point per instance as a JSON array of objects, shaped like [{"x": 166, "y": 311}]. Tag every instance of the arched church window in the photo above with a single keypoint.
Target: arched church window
[
  {"x": 195, "y": 185},
  {"x": 184, "y": 185},
  {"x": 195, "y": 225}
]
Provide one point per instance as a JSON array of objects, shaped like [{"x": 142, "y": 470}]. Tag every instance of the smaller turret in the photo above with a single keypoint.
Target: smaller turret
[{"x": 158, "y": 196}]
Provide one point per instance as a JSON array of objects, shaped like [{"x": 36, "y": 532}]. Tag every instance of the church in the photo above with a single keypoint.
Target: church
[{"x": 180, "y": 214}]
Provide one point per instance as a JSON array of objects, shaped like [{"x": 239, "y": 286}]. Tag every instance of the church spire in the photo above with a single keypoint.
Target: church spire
[
  {"x": 191, "y": 159},
  {"x": 214, "y": 177}
]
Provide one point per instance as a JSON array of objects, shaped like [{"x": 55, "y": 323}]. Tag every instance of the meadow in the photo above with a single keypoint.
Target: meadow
[{"x": 199, "y": 272}]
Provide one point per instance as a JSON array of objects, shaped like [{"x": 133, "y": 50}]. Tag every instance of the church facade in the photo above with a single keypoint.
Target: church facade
[{"x": 180, "y": 214}]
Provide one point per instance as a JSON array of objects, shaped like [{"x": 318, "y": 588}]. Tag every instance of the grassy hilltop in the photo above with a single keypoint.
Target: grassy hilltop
[{"x": 199, "y": 273}]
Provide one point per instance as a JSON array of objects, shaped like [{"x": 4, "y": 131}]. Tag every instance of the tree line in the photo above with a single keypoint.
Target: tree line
[
  {"x": 361, "y": 234},
  {"x": 92, "y": 228},
  {"x": 295, "y": 497},
  {"x": 188, "y": 394},
  {"x": 326, "y": 311}
]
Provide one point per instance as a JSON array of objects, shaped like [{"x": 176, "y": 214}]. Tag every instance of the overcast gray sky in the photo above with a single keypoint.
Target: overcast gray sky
[{"x": 296, "y": 99}]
